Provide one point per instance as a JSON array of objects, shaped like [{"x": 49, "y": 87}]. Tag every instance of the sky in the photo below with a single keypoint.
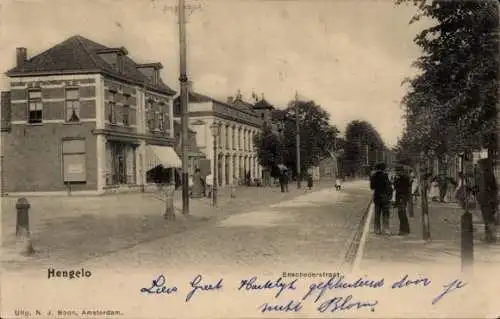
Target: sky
[{"x": 349, "y": 56}]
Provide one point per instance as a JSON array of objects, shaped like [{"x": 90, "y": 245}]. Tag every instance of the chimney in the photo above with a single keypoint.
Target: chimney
[
  {"x": 22, "y": 56},
  {"x": 230, "y": 100}
]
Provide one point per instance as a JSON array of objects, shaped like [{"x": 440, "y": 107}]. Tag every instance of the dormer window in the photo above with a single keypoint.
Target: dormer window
[
  {"x": 114, "y": 57},
  {"x": 151, "y": 71}
]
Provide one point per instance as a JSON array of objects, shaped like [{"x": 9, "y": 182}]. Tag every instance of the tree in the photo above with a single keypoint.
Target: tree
[
  {"x": 360, "y": 136},
  {"x": 317, "y": 135},
  {"x": 269, "y": 148},
  {"x": 452, "y": 104}
]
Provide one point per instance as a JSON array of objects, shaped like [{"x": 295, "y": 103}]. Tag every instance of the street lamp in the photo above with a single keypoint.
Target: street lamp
[{"x": 216, "y": 130}]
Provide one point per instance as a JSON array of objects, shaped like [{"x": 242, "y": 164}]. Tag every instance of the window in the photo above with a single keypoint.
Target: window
[
  {"x": 161, "y": 121},
  {"x": 233, "y": 135},
  {"x": 125, "y": 115},
  {"x": 155, "y": 121},
  {"x": 227, "y": 130},
  {"x": 74, "y": 163},
  {"x": 238, "y": 141},
  {"x": 112, "y": 107},
  {"x": 126, "y": 112},
  {"x": 35, "y": 107},
  {"x": 150, "y": 115},
  {"x": 244, "y": 140},
  {"x": 72, "y": 105}
]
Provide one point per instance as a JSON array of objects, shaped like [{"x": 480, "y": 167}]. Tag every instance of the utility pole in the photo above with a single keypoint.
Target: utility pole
[
  {"x": 297, "y": 128},
  {"x": 183, "y": 79}
]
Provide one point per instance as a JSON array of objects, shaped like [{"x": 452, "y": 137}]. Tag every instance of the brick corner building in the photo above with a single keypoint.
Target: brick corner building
[{"x": 81, "y": 116}]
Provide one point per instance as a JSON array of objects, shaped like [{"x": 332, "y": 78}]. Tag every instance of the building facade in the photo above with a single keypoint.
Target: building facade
[
  {"x": 85, "y": 117},
  {"x": 239, "y": 122}
]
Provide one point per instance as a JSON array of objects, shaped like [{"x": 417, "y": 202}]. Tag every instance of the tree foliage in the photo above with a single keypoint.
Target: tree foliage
[
  {"x": 359, "y": 134},
  {"x": 317, "y": 137},
  {"x": 269, "y": 148},
  {"x": 452, "y": 104}
]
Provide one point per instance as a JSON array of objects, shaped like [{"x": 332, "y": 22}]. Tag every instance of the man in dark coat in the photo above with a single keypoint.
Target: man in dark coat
[
  {"x": 382, "y": 193},
  {"x": 402, "y": 186}
]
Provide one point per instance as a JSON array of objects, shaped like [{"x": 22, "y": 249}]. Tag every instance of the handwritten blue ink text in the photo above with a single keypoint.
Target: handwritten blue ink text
[
  {"x": 454, "y": 285},
  {"x": 337, "y": 282},
  {"x": 196, "y": 285},
  {"x": 405, "y": 282},
  {"x": 279, "y": 284},
  {"x": 158, "y": 287},
  {"x": 292, "y": 306},
  {"x": 345, "y": 303}
]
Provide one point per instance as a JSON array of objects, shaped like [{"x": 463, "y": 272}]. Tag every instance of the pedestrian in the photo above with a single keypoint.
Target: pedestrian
[
  {"x": 338, "y": 183},
  {"x": 281, "y": 179},
  {"x": 382, "y": 193},
  {"x": 402, "y": 188},
  {"x": 309, "y": 181},
  {"x": 286, "y": 178},
  {"x": 210, "y": 184},
  {"x": 233, "y": 186},
  {"x": 433, "y": 193},
  {"x": 487, "y": 196}
]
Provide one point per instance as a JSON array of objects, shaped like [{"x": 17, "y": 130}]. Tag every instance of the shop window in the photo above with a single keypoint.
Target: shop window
[
  {"x": 72, "y": 105},
  {"x": 120, "y": 163},
  {"x": 35, "y": 107},
  {"x": 74, "y": 161}
]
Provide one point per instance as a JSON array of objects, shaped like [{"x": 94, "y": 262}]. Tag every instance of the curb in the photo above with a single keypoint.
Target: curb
[{"x": 352, "y": 255}]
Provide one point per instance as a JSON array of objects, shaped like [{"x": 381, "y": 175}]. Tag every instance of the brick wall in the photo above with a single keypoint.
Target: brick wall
[
  {"x": 33, "y": 157},
  {"x": 161, "y": 104},
  {"x": 125, "y": 100},
  {"x": 53, "y": 98}
]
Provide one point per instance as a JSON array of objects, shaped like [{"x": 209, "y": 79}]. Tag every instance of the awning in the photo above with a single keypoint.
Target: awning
[{"x": 162, "y": 155}]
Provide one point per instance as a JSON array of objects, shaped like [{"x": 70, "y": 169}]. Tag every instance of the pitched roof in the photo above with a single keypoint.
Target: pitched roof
[
  {"x": 263, "y": 104},
  {"x": 77, "y": 55}
]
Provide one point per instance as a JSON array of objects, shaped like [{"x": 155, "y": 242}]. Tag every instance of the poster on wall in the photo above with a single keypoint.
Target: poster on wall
[{"x": 74, "y": 168}]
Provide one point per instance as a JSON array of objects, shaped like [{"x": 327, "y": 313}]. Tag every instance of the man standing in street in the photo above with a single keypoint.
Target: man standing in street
[
  {"x": 382, "y": 193},
  {"x": 402, "y": 186}
]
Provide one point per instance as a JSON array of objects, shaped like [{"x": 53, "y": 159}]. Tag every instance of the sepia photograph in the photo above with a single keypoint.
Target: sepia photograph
[{"x": 249, "y": 159}]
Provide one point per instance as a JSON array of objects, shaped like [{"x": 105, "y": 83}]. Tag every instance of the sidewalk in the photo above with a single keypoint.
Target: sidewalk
[
  {"x": 75, "y": 228},
  {"x": 444, "y": 247}
]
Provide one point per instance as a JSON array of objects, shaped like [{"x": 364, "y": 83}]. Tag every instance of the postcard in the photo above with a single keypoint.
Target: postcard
[{"x": 249, "y": 159}]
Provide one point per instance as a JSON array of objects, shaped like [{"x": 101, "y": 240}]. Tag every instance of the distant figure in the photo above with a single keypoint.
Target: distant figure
[
  {"x": 338, "y": 184},
  {"x": 382, "y": 193},
  {"x": 283, "y": 179},
  {"x": 310, "y": 181},
  {"x": 402, "y": 187},
  {"x": 197, "y": 189},
  {"x": 210, "y": 184},
  {"x": 234, "y": 186}
]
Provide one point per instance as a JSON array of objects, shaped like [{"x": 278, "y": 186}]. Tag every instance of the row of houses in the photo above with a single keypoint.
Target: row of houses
[{"x": 85, "y": 117}]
